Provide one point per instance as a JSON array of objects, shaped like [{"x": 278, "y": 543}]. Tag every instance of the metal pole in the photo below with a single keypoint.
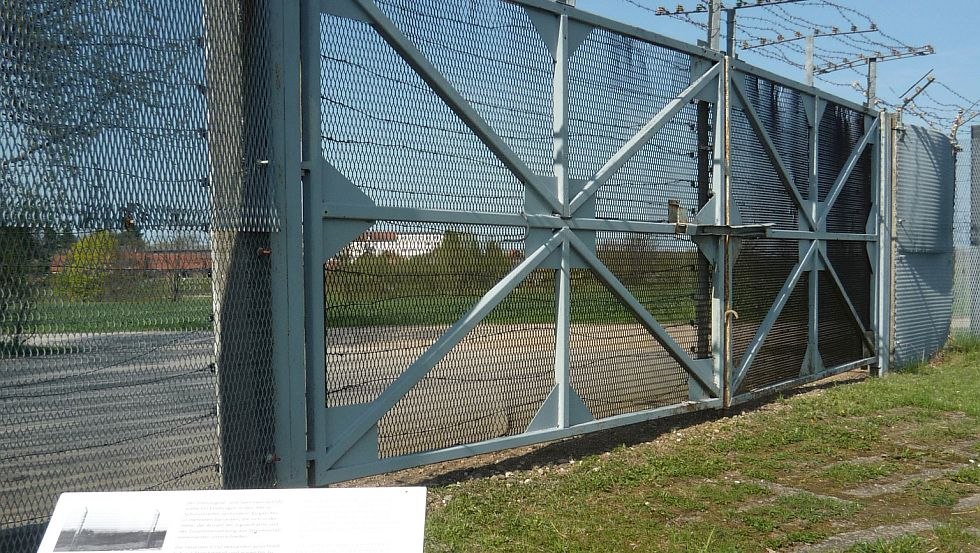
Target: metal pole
[
  {"x": 872, "y": 82},
  {"x": 234, "y": 74},
  {"x": 563, "y": 274},
  {"x": 730, "y": 32},
  {"x": 714, "y": 24},
  {"x": 808, "y": 64}
]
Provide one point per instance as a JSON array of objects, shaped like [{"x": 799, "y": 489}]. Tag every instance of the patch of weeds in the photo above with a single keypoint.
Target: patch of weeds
[
  {"x": 725, "y": 494},
  {"x": 968, "y": 475},
  {"x": 937, "y": 493},
  {"x": 795, "y": 537},
  {"x": 955, "y": 537},
  {"x": 800, "y": 507},
  {"x": 902, "y": 544},
  {"x": 854, "y": 473}
]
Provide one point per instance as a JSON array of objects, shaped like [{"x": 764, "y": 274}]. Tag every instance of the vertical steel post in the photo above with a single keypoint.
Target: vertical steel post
[
  {"x": 563, "y": 274},
  {"x": 813, "y": 197},
  {"x": 721, "y": 293},
  {"x": 730, "y": 32},
  {"x": 883, "y": 294},
  {"x": 313, "y": 261},
  {"x": 872, "y": 82},
  {"x": 241, "y": 277},
  {"x": 288, "y": 315},
  {"x": 714, "y": 24},
  {"x": 808, "y": 63}
]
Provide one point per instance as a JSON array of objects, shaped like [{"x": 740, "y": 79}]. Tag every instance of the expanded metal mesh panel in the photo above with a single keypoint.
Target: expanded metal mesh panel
[
  {"x": 393, "y": 291},
  {"x": 489, "y": 385},
  {"x": 853, "y": 266},
  {"x": 781, "y": 111},
  {"x": 617, "y": 366},
  {"x": 757, "y": 191},
  {"x": 130, "y": 208},
  {"x": 839, "y": 132},
  {"x": 838, "y": 334},
  {"x": 394, "y": 138},
  {"x": 760, "y": 271},
  {"x": 616, "y": 86},
  {"x": 494, "y": 57},
  {"x": 669, "y": 278}
]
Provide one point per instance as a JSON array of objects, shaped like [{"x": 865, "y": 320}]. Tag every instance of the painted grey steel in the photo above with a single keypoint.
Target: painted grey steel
[
  {"x": 923, "y": 305},
  {"x": 924, "y": 205},
  {"x": 924, "y": 243}
]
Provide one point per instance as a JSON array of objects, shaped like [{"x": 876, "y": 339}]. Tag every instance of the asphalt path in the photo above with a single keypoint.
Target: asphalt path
[{"x": 137, "y": 410}]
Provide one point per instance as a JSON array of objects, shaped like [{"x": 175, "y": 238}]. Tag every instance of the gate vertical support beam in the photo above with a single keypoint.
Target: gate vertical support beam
[
  {"x": 288, "y": 315},
  {"x": 563, "y": 335},
  {"x": 563, "y": 274},
  {"x": 813, "y": 197},
  {"x": 233, "y": 69},
  {"x": 882, "y": 295},
  {"x": 313, "y": 233},
  {"x": 721, "y": 293}
]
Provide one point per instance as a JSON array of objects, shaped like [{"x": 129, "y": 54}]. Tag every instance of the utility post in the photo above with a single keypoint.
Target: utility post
[
  {"x": 730, "y": 32},
  {"x": 808, "y": 64},
  {"x": 872, "y": 82},
  {"x": 714, "y": 25}
]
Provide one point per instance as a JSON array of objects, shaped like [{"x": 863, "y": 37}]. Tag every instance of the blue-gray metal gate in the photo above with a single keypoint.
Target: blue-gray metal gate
[
  {"x": 274, "y": 243},
  {"x": 538, "y": 223}
]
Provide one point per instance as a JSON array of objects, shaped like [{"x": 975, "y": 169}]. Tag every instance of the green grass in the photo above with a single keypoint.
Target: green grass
[
  {"x": 55, "y": 316},
  {"x": 699, "y": 490}
]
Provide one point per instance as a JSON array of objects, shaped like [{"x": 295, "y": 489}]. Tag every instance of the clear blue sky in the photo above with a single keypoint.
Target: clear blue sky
[{"x": 951, "y": 26}]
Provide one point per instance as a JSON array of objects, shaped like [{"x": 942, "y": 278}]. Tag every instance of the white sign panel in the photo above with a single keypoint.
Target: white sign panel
[{"x": 341, "y": 520}]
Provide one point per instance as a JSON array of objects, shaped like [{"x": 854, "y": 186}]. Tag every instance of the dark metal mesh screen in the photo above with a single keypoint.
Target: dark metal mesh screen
[
  {"x": 617, "y": 367},
  {"x": 616, "y": 85},
  {"x": 124, "y": 199},
  {"x": 756, "y": 189},
  {"x": 760, "y": 271},
  {"x": 840, "y": 130},
  {"x": 386, "y": 131}
]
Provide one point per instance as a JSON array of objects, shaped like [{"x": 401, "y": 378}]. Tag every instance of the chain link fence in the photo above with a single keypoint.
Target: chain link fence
[{"x": 132, "y": 285}]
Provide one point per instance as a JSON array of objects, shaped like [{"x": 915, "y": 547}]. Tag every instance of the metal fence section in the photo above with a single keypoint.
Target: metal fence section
[
  {"x": 966, "y": 239},
  {"x": 502, "y": 186},
  {"x": 134, "y": 297},
  {"x": 805, "y": 166},
  {"x": 251, "y": 244},
  {"x": 924, "y": 191}
]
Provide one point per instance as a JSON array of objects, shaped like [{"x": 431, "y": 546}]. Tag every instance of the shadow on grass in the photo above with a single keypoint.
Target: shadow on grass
[{"x": 595, "y": 443}]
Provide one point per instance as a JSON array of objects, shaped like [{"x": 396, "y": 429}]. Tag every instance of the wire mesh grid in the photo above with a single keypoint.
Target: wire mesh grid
[
  {"x": 756, "y": 189},
  {"x": 375, "y": 107},
  {"x": 616, "y": 86},
  {"x": 966, "y": 237},
  {"x": 761, "y": 269},
  {"x": 840, "y": 131},
  {"x": 117, "y": 228},
  {"x": 616, "y": 365}
]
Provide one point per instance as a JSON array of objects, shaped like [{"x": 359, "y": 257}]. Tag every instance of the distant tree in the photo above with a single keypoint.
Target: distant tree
[{"x": 88, "y": 267}]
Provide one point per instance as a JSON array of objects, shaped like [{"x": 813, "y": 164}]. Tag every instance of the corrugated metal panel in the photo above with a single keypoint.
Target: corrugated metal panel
[
  {"x": 924, "y": 305},
  {"x": 924, "y": 258},
  {"x": 924, "y": 191}
]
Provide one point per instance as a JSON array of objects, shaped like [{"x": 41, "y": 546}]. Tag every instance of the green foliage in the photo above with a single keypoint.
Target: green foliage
[
  {"x": 17, "y": 282},
  {"x": 88, "y": 267},
  {"x": 24, "y": 256}
]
